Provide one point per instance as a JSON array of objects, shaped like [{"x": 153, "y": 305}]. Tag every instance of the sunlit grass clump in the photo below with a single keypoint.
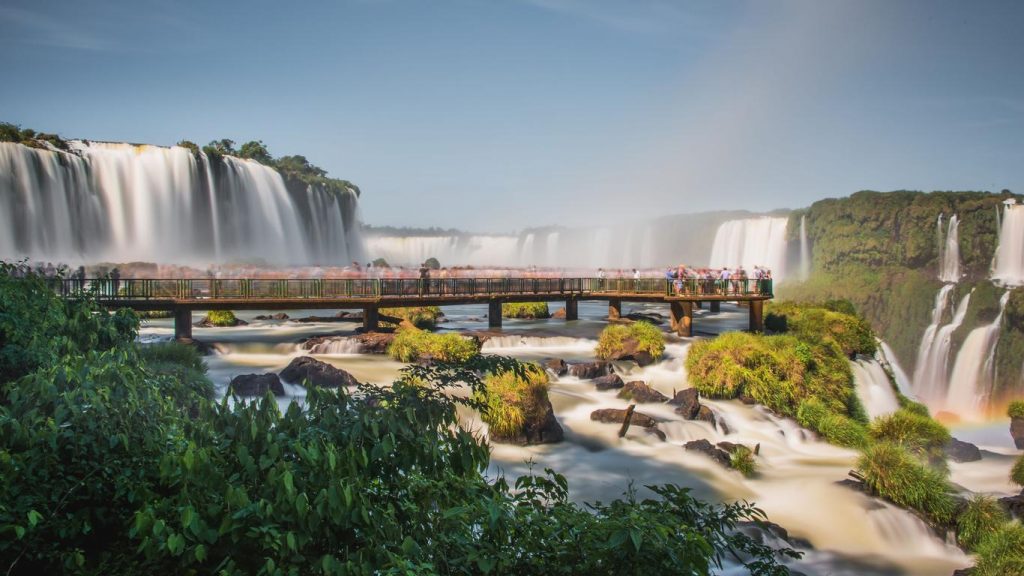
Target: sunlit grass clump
[
  {"x": 1002, "y": 552},
  {"x": 513, "y": 399},
  {"x": 411, "y": 345},
  {"x": 222, "y": 318},
  {"x": 1017, "y": 472},
  {"x": 892, "y": 472},
  {"x": 526, "y": 310},
  {"x": 742, "y": 459},
  {"x": 919, "y": 434},
  {"x": 617, "y": 339},
  {"x": 981, "y": 517},
  {"x": 834, "y": 320},
  {"x": 419, "y": 316},
  {"x": 1016, "y": 409}
]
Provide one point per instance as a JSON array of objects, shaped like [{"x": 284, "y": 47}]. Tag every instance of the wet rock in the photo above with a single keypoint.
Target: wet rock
[
  {"x": 366, "y": 343},
  {"x": 765, "y": 531},
  {"x": 559, "y": 314},
  {"x": 1014, "y": 505},
  {"x": 638, "y": 391},
  {"x": 705, "y": 414},
  {"x": 309, "y": 371},
  {"x": 687, "y": 403},
  {"x": 1017, "y": 431},
  {"x": 256, "y": 385},
  {"x": 628, "y": 350},
  {"x": 206, "y": 323},
  {"x": 618, "y": 416},
  {"x": 709, "y": 450},
  {"x": 959, "y": 451},
  {"x": 556, "y": 366},
  {"x": 730, "y": 447},
  {"x": 278, "y": 316},
  {"x": 964, "y": 572},
  {"x": 656, "y": 432},
  {"x": 541, "y": 427},
  {"x": 854, "y": 485},
  {"x": 589, "y": 370},
  {"x": 339, "y": 317},
  {"x": 650, "y": 317},
  {"x": 609, "y": 382}
]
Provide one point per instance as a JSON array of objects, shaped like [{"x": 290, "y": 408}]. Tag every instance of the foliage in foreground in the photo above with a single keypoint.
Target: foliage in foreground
[
  {"x": 513, "y": 398},
  {"x": 919, "y": 434},
  {"x": 742, "y": 459},
  {"x": 981, "y": 517},
  {"x": 1017, "y": 472},
  {"x": 424, "y": 317},
  {"x": 894, "y": 473},
  {"x": 411, "y": 345},
  {"x": 634, "y": 337},
  {"x": 528, "y": 310},
  {"x": 1001, "y": 553}
]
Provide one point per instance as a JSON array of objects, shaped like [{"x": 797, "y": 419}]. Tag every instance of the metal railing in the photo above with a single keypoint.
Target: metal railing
[{"x": 354, "y": 288}]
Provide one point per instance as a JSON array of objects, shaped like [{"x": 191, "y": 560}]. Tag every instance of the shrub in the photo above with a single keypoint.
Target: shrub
[
  {"x": 813, "y": 323},
  {"x": 1016, "y": 409},
  {"x": 843, "y": 431},
  {"x": 1002, "y": 552},
  {"x": 1017, "y": 472},
  {"x": 432, "y": 263},
  {"x": 531, "y": 310},
  {"x": 182, "y": 363},
  {"x": 742, "y": 459},
  {"x": 190, "y": 146},
  {"x": 618, "y": 340},
  {"x": 894, "y": 473},
  {"x": 914, "y": 407},
  {"x": 421, "y": 317},
  {"x": 417, "y": 345},
  {"x": 980, "y": 517},
  {"x": 222, "y": 318},
  {"x": 513, "y": 398},
  {"x": 919, "y": 434},
  {"x": 811, "y": 412}
]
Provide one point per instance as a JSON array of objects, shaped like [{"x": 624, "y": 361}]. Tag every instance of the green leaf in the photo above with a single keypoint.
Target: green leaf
[
  {"x": 34, "y": 518},
  {"x": 200, "y": 553}
]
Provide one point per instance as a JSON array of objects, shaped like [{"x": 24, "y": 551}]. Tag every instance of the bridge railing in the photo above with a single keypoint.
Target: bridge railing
[{"x": 328, "y": 288}]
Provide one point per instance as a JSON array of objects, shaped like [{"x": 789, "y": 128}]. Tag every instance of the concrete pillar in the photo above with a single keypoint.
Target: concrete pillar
[
  {"x": 716, "y": 306},
  {"x": 494, "y": 314},
  {"x": 682, "y": 318},
  {"x": 756, "y": 316},
  {"x": 572, "y": 310},
  {"x": 614, "y": 309},
  {"x": 182, "y": 324},
  {"x": 371, "y": 319}
]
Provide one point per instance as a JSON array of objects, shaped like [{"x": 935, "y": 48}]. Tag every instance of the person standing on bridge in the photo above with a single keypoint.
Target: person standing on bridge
[
  {"x": 424, "y": 278},
  {"x": 115, "y": 281},
  {"x": 600, "y": 278}
]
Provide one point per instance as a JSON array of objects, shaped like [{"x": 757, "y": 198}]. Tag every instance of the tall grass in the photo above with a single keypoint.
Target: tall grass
[
  {"x": 640, "y": 336},
  {"x": 411, "y": 345},
  {"x": 1002, "y": 552},
  {"x": 424, "y": 317},
  {"x": 513, "y": 399},
  {"x": 894, "y": 473},
  {"x": 530, "y": 310},
  {"x": 981, "y": 517}
]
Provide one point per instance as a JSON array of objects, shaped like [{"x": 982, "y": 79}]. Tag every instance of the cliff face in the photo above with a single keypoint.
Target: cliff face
[{"x": 882, "y": 252}]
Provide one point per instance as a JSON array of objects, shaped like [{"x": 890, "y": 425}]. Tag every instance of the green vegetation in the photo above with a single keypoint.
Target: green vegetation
[
  {"x": 155, "y": 314},
  {"x": 1015, "y": 409},
  {"x": 618, "y": 340},
  {"x": 221, "y": 318},
  {"x": 1017, "y": 472},
  {"x": 432, "y": 263},
  {"x": 742, "y": 459},
  {"x": 981, "y": 517},
  {"x": 421, "y": 317},
  {"x": 104, "y": 472},
  {"x": 14, "y": 133},
  {"x": 892, "y": 472},
  {"x": 1001, "y": 553},
  {"x": 919, "y": 434},
  {"x": 835, "y": 319},
  {"x": 418, "y": 345},
  {"x": 513, "y": 398},
  {"x": 529, "y": 310}
]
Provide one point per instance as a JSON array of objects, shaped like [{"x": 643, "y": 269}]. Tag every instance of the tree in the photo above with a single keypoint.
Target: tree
[{"x": 256, "y": 150}]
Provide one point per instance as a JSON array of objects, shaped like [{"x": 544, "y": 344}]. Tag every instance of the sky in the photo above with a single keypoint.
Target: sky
[{"x": 497, "y": 115}]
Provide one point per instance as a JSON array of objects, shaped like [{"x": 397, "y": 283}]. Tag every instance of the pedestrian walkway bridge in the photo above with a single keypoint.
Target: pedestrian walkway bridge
[{"x": 183, "y": 296}]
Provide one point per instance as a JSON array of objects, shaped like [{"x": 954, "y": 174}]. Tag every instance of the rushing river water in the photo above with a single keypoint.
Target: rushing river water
[{"x": 849, "y": 532}]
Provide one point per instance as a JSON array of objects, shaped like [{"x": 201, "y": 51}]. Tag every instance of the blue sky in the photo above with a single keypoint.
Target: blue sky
[{"x": 498, "y": 115}]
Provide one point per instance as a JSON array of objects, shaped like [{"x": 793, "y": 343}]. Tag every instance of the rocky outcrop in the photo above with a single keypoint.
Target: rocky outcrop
[
  {"x": 1014, "y": 505},
  {"x": 206, "y": 323},
  {"x": 556, "y": 366},
  {"x": 687, "y": 403},
  {"x": 589, "y": 370},
  {"x": 638, "y": 391},
  {"x": 1017, "y": 431},
  {"x": 609, "y": 382},
  {"x": 541, "y": 427},
  {"x": 618, "y": 416},
  {"x": 711, "y": 451},
  {"x": 256, "y": 385},
  {"x": 278, "y": 316},
  {"x": 959, "y": 451},
  {"x": 365, "y": 343},
  {"x": 309, "y": 371}
]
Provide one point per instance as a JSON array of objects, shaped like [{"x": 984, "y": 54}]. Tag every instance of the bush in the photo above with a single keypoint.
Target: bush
[
  {"x": 919, "y": 434},
  {"x": 894, "y": 473},
  {"x": 530, "y": 310},
  {"x": 618, "y": 340},
  {"x": 421, "y": 317},
  {"x": 432, "y": 263},
  {"x": 513, "y": 398},
  {"x": 742, "y": 459},
  {"x": 1002, "y": 552},
  {"x": 1016, "y": 409},
  {"x": 418, "y": 345},
  {"x": 1017, "y": 472},
  {"x": 980, "y": 517},
  {"x": 843, "y": 431},
  {"x": 814, "y": 323},
  {"x": 222, "y": 318},
  {"x": 180, "y": 362}
]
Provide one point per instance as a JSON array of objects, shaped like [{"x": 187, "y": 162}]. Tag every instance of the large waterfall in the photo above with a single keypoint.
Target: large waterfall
[
  {"x": 974, "y": 371},
  {"x": 931, "y": 374},
  {"x": 124, "y": 202},
  {"x": 949, "y": 251},
  {"x": 751, "y": 242},
  {"x": 1009, "y": 262}
]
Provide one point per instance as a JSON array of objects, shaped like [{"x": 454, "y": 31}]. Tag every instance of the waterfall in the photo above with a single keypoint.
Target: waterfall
[
  {"x": 805, "y": 250},
  {"x": 874, "y": 388},
  {"x": 1009, "y": 260},
  {"x": 931, "y": 375},
  {"x": 973, "y": 372},
  {"x": 751, "y": 242},
  {"x": 949, "y": 251},
  {"x": 123, "y": 202}
]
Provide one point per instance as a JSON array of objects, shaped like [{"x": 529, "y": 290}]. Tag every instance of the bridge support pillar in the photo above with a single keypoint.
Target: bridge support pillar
[
  {"x": 572, "y": 310},
  {"x": 182, "y": 324},
  {"x": 756, "y": 316},
  {"x": 371, "y": 319},
  {"x": 494, "y": 314},
  {"x": 614, "y": 309},
  {"x": 716, "y": 306},
  {"x": 682, "y": 318}
]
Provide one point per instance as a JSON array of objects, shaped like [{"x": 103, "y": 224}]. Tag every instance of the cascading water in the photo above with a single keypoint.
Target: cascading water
[
  {"x": 1008, "y": 268},
  {"x": 873, "y": 387},
  {"x": 949, "y": 251},
  {"x": 122, "y": 202},
  {"x": 931, "y": 375},
  {"x": 974, "y": 370},
  {"x": 805, "y": 250},
  {"x": 751, "y": 242}
]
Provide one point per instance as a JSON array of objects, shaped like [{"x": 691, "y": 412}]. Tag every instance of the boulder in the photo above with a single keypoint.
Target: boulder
[
  {"x": 559, "y": 314},
  {"x": 649, "y": 317},
  {"x": 854, "y": 485},
  {"x": 541, "y": 427},
  {"x": 609, "y": 382},
  {"x": 638, "y": 391},
  {"x": 704, "y": 414},
  {"x": 729, "y": 446},
  {"x": 556, "y": 366},
  {"x": 709, "y": 450},
  {"x": 687, "y": 403},
  {"x": 959, "y": 451},
  {"x": 1017, "y": 431},
  {"x": 628, "y": 351},
  {"x": 1014, "y": 505},
  {"x": 309, "y": 371},
  {"x": 618, "y": 416},
  {"x": 278, "y": 316},
  {"x": 205, "y": 323},
  {"x": 589, "y": 370},
  {"x": 256, "y": 385}
]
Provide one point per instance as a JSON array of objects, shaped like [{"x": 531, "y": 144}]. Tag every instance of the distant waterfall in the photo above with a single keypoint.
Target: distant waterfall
[
  {"x": 449, "y": 250},
  {"x": 1009, "y": 262},
  {"x": 122, "y": 202},
  {"x": 805, "y": 250},
  {"x": 949, "y": 250},
  {"x": 751, "y": 242},
  {"x": 931, "y": 375},
  {"x": 974, "y": 371}
]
